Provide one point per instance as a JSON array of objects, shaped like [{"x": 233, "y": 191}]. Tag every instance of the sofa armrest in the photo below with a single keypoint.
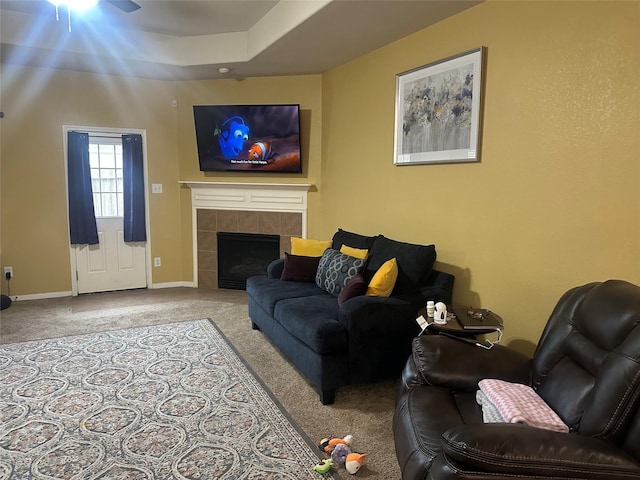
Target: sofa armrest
[
  {"x": 366, "y": 312},
  {"x": 380, "y": 329},
  {"x": 438, "y": 288},
  {"x": 444, "y": 361},
  {"x": 516, "y": 450},
  {"x": 379, "y": 334},
  {"x": 274, "y": 269}
]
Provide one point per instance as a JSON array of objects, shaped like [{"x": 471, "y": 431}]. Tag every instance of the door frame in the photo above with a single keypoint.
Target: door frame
[{"x": 106, "y": 131}]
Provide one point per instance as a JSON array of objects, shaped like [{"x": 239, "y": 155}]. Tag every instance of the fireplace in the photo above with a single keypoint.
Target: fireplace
[
  {"x": 243, "y": 255},
  {"x": 266, "y": 208}
]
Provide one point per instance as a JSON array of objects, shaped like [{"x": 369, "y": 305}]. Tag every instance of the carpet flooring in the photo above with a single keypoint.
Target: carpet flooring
[
  {"x": 147, "y": 403},
  {"x": 365, "y": 411}
]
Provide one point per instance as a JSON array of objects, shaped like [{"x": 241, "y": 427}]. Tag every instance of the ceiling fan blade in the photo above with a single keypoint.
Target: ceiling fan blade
[{"x": 125, "y": 5}]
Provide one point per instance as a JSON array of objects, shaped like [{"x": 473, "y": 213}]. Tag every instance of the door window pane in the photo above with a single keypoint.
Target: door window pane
[
  {"x": 107, "y": 157},
  {"x": 109, "y": 205},
  {"x": 97, "y": 204},
  {"x": 106, "y": 178}
]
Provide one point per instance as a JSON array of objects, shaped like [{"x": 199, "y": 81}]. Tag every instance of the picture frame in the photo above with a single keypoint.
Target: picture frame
[{"x": 438, "y": 110}]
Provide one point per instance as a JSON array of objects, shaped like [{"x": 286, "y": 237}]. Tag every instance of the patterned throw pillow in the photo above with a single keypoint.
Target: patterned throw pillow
[{"x": 336, "y": 269}]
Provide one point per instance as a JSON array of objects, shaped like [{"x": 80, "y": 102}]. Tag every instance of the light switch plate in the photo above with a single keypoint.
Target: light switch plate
[{"x": 156, "y": 188}]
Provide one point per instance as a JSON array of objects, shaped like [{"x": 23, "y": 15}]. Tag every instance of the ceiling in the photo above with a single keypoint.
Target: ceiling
[{"x": 193, "y": 39}]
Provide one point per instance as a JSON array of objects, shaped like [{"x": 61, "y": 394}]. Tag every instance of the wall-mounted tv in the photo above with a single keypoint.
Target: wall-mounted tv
[{"x": 248, "y": 138}]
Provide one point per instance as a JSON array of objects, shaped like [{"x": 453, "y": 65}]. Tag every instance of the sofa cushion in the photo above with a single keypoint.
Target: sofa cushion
[
  {"x": 309, "y": 247},
  {"x": 355, "y": 287},
  {"x": 354, "y": 240},
  {"x": 336, "y": 269},
  {"x": 299, "y": 268},
  {"x": 314, "y": 321},
  {"x": 268, "y": 291},
  {"x": 415, "y": 262}
]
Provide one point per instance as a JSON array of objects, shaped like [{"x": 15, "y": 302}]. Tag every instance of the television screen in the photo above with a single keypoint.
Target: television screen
[{"x": 248, "y": 138}]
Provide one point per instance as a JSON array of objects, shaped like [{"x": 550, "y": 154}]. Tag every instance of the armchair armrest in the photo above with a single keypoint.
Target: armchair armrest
[
  {"x": 274, "y": 269},
  {"x": 516, "y": 450},
  {"x": 444, "y": 361}
]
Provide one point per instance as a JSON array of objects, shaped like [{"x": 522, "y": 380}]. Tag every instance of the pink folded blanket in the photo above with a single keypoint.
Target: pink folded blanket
[{"x": 518, "y": 403}]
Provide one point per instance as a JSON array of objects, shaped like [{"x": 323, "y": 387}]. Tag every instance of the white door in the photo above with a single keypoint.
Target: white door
[{"x": 112, "y": 264}]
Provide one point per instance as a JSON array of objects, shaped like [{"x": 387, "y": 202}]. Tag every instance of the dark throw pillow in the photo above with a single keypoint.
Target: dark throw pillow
[
  {"x": 415, "y": 262},
  {"x": 336, "y": 269},
  {"x": 299, "y": 268},
  {"x": 356, "y": 287}
]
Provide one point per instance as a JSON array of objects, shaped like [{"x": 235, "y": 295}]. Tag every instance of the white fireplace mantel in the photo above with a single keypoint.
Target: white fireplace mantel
[
  {"x": 269, "y": 197},
  {"x": 263, "y": 197}
]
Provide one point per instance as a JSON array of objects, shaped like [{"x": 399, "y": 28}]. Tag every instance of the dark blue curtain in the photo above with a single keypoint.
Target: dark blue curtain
[
  {"x": 133, "y": 177},
  {"x": 82, "y": 219}
]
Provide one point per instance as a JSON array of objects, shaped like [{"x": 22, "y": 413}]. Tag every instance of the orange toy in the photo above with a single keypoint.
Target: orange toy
[
  {"x": 328, "y": 444},
  {"x": 354, "y": 462}
]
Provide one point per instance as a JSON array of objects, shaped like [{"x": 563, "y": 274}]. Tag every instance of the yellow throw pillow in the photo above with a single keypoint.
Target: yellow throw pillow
[
  {"x": 382, "y": 283},
  {"x": 354, "y": 252},
  {"x": 308, "y": 248}
]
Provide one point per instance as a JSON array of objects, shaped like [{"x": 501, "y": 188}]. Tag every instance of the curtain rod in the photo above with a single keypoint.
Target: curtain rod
[{"x": 93, "y": 135}]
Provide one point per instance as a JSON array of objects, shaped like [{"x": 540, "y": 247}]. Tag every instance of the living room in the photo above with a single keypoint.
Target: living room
[{"x": 554, "y": 201}]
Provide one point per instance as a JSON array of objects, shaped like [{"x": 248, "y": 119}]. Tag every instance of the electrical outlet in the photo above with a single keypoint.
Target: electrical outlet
[
  {"x": 8, "y": 272},
  {"x": 157, "y": 262}
]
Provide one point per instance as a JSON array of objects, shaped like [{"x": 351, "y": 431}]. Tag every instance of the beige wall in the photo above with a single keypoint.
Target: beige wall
[
  {"x": 37, "y": 103},
  {"x": 555, "y": 201},
  {"x": 305, "y": 90}
]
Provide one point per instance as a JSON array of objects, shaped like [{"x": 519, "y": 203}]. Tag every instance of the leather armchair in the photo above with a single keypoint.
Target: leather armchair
[{"x": 586, "y": 367}]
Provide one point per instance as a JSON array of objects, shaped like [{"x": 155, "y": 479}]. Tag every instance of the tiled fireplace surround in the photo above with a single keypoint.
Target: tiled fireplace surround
[
  {"x": 210, "y": 222},
  {"x": 277, "y": 209}
]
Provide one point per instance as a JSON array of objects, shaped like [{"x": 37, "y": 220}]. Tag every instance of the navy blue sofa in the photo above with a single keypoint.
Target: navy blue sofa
[{"x": 367, "y": 338}]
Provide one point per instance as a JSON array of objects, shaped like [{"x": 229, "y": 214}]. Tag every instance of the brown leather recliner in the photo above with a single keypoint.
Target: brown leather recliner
[{"x": 586, "y": 367}]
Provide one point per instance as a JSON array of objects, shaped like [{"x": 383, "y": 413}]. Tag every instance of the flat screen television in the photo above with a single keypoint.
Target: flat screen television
[{"x": 248, "y": 138}]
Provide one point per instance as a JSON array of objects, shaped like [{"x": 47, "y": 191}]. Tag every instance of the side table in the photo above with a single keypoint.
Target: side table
[{"x": 454, "y": 328}]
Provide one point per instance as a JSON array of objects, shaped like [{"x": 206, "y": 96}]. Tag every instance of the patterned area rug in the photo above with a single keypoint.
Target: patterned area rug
[{"x": 170, "y": 401}]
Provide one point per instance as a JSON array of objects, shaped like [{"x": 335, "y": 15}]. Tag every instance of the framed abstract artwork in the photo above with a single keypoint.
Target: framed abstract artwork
[{"x": 438, "y": 111}]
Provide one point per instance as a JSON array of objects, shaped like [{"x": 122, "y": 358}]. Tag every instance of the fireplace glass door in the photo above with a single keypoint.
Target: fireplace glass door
[{"x": 243, "y": 255}]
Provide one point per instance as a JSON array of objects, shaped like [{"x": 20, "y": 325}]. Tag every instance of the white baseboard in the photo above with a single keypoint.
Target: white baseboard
[
  {"x": 172, "y": 285},
  {"x": 40, "y": 296}
]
